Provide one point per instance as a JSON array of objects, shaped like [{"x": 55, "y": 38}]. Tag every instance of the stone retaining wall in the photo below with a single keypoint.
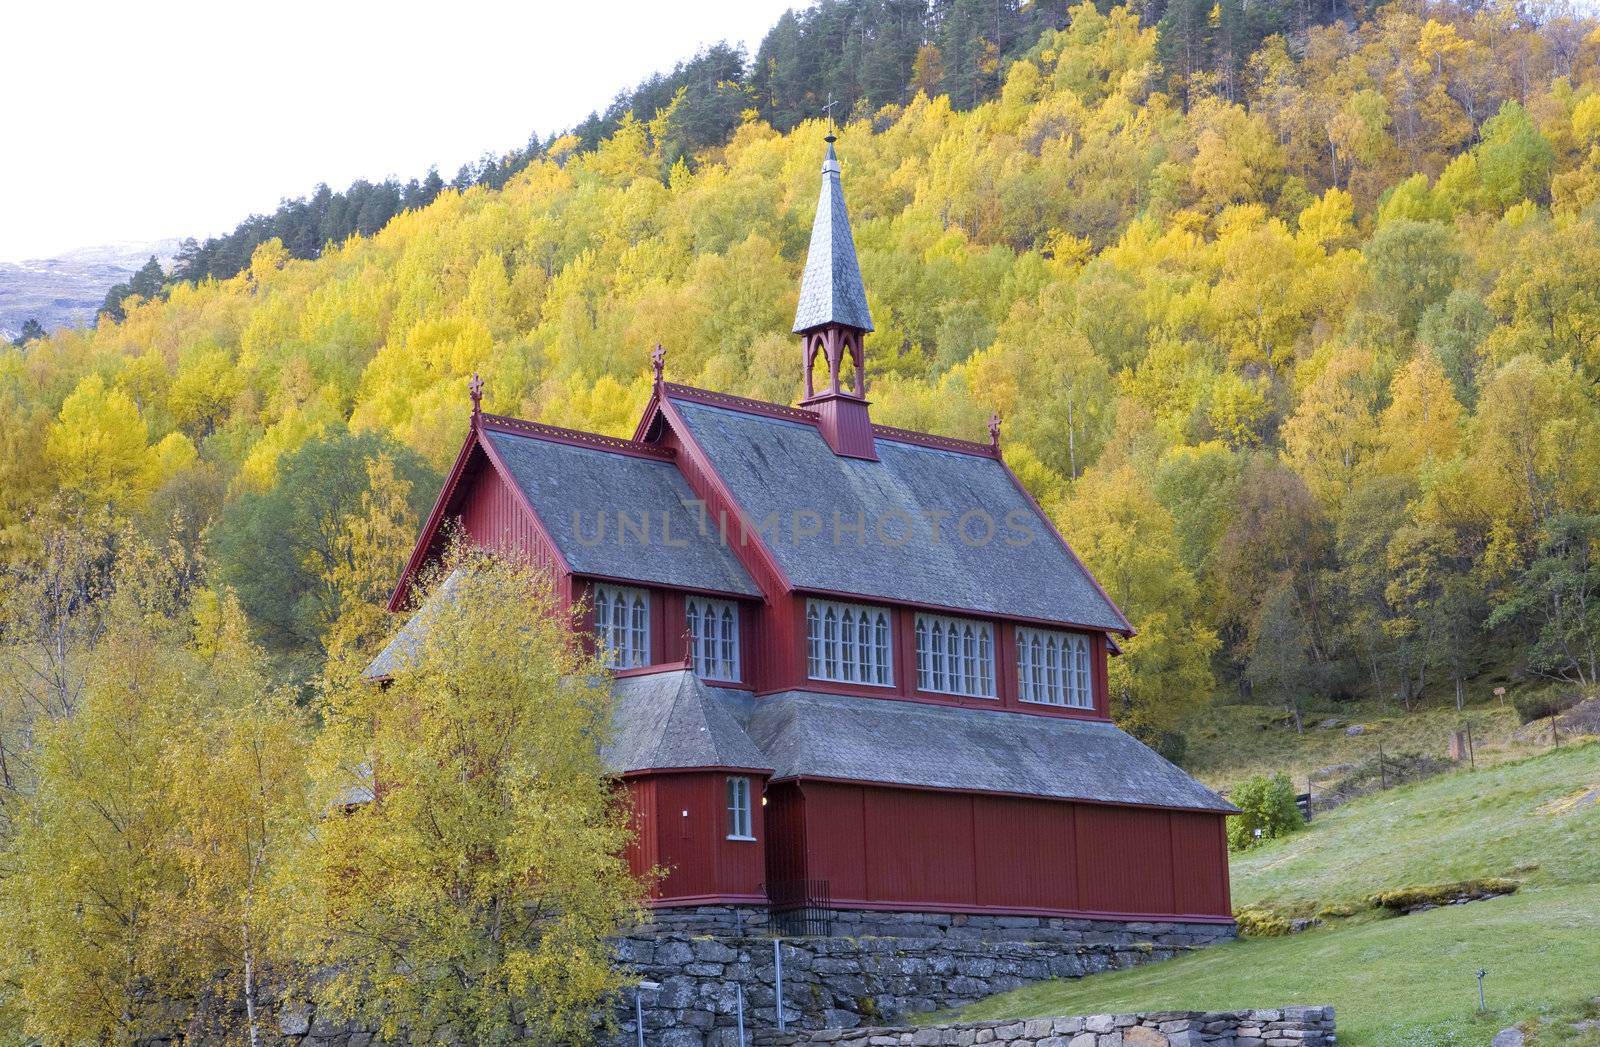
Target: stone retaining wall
[
  {"x": 1059, "y": 929},
  {"x": 749, "y": 920},
  {"x": 1286, "y": 1027},
  {"x": 836, "y": 983},
  {"x": 843, "y": 983}
]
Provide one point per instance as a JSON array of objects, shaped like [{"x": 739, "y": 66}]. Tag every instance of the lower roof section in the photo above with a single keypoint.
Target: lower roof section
[
  {"x": 812, "y": 735},
  {"x": 671, "y": 721}
]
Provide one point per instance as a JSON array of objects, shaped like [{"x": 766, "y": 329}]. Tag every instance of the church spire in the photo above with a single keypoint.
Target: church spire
[
  {"x": 831, "y": 291},
  {"x": 832, "y": 319}
]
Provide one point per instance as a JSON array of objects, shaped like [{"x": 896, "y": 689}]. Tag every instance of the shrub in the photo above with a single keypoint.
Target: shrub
[
  {"x": 1266, "y": 804},
  {"x": 1541, "y": 705}
]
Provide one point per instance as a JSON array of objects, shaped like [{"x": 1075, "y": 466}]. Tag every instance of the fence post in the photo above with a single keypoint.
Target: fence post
[
  {"x": 1383, "y": 774},
  {"x": 1472, "y": 750}
]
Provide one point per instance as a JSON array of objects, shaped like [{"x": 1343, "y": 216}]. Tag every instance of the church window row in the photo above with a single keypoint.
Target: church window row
[
  {"x": 714, "y": 638},
  {"x": 622, "y": 625},
  {"x": 955, "y": 656},
  {"x": 1053, "y": 668},
  {"x": 848, "y": 644}
]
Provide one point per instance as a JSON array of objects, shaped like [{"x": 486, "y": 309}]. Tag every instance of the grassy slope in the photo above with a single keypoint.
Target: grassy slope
[
  {"x": 1394, "y": 982},
  {"x": 1406, "y": 980},
  {"x": 1503, "y": 820},
  {"x": 1231, "y": 742}
]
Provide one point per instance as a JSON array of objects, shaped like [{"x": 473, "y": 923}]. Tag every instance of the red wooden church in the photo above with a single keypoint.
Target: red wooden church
[{"x": 845, "y": 655}]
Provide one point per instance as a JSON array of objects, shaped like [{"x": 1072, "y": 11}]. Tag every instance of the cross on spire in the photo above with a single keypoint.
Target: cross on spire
[
  {"x": 475, "y": 390},
  {"x": 658, "y": 361},
  {"x": 828, "y": 109}
]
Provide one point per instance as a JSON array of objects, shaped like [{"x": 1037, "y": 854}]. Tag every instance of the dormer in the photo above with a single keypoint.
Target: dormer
[{"x": 832, "y": 319}]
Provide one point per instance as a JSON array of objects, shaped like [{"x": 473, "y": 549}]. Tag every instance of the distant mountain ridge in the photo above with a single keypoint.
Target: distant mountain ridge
[{"x": 65, "y": 291}]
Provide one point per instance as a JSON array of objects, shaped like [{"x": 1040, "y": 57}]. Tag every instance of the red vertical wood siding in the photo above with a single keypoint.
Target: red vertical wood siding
[
  {"x": 836, "y": 838},
  {"x": 494, "y": 521},
  {"x": 911, "y": 849},
  {"x": 1102, "y": 690},
  {"x": 919, "y": 846},
  {"x": 786, "y": 832},
  {"x": 1029, "y": 862},
  {"x": 1125, "y": 860},
  {"x": 642, "y": 852},
  {"x": 1199, "y": 846},
  {"x": 692, "y": 844}
]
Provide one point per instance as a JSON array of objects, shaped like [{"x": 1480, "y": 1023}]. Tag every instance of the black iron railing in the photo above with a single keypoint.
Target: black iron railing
[{"x": 801, "y": 908}]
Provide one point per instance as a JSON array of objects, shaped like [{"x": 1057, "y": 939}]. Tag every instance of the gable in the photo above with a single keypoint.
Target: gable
[{"x": 892, "y": 529}]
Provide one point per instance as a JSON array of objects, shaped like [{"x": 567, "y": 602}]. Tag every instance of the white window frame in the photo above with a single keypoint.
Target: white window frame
[
  {"x": 713, "y": 635},
  {"x": 1054, "y": 668},
  {"x": 849, "y": 643},
  {"x": 741, "y": 824},
  {"x": 955, "y": 656},
  {"x": 622, "y": 625}
]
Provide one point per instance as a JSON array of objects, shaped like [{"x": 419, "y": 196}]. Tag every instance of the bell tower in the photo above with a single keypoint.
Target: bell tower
[{"x": 832, "y": 319}]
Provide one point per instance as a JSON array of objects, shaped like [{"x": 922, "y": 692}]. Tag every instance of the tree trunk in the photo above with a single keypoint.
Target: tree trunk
[{"x": 249, "y": 948}]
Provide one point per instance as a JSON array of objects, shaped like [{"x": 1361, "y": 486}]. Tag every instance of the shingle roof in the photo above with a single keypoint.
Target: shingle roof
[
  {"x": 671, "y": 720},
  {"x": 807, "y": 734},
  {"x": 831, "y": 291},
  {"x": 777, "y": 466},
  {"x": 402, "y": 647},
  {"x": 579, "y": 490}
]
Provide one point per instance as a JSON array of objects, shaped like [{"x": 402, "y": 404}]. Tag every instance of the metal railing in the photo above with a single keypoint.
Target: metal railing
[{"x": 801, "y": 908}]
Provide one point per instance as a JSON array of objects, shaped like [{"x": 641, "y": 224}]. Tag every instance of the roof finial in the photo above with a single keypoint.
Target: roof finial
[
  {"x": 475, "y": 390},
  {"x": 658, "y": 361},
  {"x": 994, "y": 431},
  {"x": 828, "y": 109}
]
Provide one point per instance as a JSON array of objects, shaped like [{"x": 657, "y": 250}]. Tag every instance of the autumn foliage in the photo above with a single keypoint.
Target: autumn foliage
[{"x": 1299, "y": 349}]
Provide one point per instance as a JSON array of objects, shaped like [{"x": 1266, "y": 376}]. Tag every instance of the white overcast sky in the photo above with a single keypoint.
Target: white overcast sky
[{"x": 139, "y": 121}]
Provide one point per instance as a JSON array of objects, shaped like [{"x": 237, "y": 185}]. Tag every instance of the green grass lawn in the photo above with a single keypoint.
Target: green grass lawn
[
  {"x": 1506, "y": 820},
  {"x": 1394, "y": 983},
  {"x": 1404, "y": 980}
]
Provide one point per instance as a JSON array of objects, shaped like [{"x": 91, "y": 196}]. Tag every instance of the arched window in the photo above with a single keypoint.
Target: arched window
[
  {"x": 622, "y": 625},
  {"x": 713, "y": 638},
  {"x": 848, "y": 662},
  {"x": 1053, "y": 668},
  {"x": 954, "y": 656},
  {"x": 882, "y": 664},
  {"x": 847, "y": 643},
  {"x": 813, "y": 642},
  {"x": 728, "y": 637}
]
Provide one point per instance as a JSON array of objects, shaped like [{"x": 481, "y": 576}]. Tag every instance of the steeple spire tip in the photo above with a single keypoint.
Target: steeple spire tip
[{"x": 831, "y": 291}]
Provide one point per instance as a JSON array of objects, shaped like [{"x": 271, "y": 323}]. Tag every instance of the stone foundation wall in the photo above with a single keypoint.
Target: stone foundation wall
[
  {"x": 1058, "y": 929},
  {"x": 751, "y": 920},
  {"x": 1287, "y": 1027},
  {"x": 836, "y": 983},
  {"x": 842, "y": 983},
  {"x": 738, "y": 921}
]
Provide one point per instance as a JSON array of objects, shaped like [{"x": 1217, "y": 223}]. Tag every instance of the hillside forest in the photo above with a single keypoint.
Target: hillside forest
[{"x": 1298, "y": 348}]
